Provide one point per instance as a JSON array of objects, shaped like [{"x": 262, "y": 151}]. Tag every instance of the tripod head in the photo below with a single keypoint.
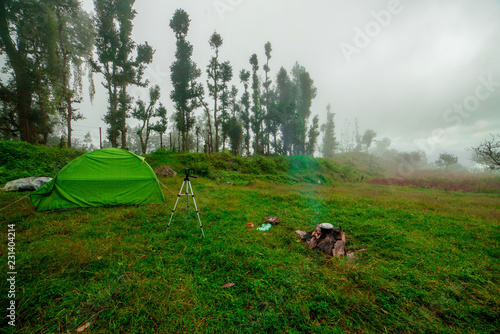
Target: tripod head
[{"x": 188, "y": 175}]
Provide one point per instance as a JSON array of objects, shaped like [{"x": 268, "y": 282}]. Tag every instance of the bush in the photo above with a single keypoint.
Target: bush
[
  {"x": 161, "y": 151},
  {"x": 200, "y": 168},
  {"x": 265, "y": 165},
  {"x": 21, "y": 159}
]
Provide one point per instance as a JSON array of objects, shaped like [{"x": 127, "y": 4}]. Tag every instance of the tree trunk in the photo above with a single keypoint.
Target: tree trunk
[
  {"x": 24, "y": 93},
  {"x": 23, "y": 104},
  {"x": 70, "y": 116},
  {"x": 124, "y": 121},
  {"x": 185, "y": 133},
  {"x": 257, "y": 148},
  {"x": 179, "y": 140},
  {"x": 216, "y": 124},
  {"x": 124, "y": 136},
  {"x": 113, "y": 103},
  {"x": 216, "y": 132},
  {"x": 45, "y": 132},
  {"x": 275, "y": 141},
  {"x": 144, "y": 146}
]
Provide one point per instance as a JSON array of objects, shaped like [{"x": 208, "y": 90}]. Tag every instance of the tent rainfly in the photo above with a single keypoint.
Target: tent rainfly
[{"x": 109, "y": 176}]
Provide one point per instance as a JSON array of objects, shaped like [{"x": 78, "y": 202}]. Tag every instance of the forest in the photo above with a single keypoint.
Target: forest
[
  {"x": 52, "y": 49},
  {"x": 46, "y": 68}
]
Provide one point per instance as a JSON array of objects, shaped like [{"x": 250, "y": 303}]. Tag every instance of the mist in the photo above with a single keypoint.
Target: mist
[{"x": 424, "y": 74}]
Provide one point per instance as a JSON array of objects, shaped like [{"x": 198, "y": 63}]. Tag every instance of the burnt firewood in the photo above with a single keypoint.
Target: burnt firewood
[
  {"x": 339, "y": 249},
  {"x": 330, "y": 240},
  {"x": 311, "y": 244},
  {"x": 325, "y": 243}
]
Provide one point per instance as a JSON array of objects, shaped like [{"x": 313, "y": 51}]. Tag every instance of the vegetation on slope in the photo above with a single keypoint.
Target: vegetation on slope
[
  {"x": 225, "y": 167},
  {"x": 20, "y": 159}
]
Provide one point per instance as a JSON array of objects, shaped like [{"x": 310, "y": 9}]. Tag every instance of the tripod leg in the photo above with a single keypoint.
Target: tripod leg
[
  {"x": 175, "y": 206},
  {"x": 196, "y": 207},
  {"x": 187, "y": 198}
]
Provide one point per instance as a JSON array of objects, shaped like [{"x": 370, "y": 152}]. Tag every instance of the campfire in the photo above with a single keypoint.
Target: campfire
[{"x": 325, "y": 237}]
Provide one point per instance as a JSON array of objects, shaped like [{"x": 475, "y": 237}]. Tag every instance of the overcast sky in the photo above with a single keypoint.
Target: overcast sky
[{"x": 425, "y": 74}]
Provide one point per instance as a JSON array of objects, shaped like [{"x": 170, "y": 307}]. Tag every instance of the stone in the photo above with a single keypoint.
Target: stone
[{"x": 165, "y": 171}]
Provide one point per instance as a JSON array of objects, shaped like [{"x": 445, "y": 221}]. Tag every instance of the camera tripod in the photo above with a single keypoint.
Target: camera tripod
[{"x": 187, "y": 183}]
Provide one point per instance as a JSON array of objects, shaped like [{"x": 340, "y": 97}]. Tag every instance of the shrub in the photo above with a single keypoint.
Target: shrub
[{"x": 21, "y": 159}]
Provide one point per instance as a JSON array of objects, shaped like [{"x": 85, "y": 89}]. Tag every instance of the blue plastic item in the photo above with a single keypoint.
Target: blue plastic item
[{"x": 264, "y": 227}]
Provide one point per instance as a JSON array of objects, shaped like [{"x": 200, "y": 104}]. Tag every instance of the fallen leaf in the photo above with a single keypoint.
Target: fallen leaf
[
  {"x": 84, "y": 327},
  {"x": 228, "y": 285}
]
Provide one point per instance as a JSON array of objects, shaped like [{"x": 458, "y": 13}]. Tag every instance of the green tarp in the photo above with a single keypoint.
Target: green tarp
[{"x": 104, "y": 177}]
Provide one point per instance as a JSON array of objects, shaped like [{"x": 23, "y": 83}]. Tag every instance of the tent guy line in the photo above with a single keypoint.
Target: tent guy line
[
  {"x": 167, "y": 188},
  {"x": 14, "y": 202}
]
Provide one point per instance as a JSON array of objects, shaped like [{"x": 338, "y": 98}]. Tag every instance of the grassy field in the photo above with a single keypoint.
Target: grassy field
[{"x": 432, "y": 263}]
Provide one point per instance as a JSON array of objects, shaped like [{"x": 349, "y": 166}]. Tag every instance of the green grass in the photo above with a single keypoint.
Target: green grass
[{"x": 432, "y": 264}]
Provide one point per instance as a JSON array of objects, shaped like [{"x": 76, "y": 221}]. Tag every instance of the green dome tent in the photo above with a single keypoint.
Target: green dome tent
[{"x": 109, "y": 176}]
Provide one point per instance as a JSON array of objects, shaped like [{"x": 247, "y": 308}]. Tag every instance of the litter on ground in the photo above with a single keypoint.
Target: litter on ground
[{"x": 264, "y": 227}]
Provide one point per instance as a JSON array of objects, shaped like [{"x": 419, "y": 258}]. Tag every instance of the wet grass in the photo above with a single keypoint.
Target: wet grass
[{"x": 432, "y": 264}]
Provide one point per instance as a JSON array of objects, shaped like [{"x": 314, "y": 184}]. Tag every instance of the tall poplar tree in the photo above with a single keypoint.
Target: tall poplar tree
[
  {"x": 257, "y": 113},
  {"x": 285, "y": 108},
  {"x": 225, "y": 99},
  {"x": 329, "y": 140},
  {"x": 245, "y": 110},
  {"x": 305, "y": 93},
  {"x": 184, "y": 72},
  {"x": 214, "y": 85},
  {"x": 313, "y": 135},
  {"x": 268, "y": 116}
]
